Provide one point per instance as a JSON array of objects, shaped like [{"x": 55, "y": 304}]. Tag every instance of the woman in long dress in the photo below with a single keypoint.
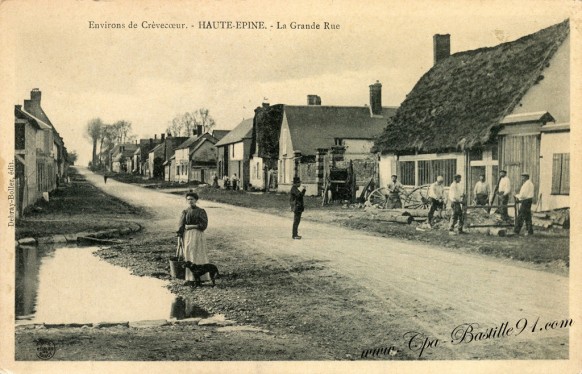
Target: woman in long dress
[{"x": 193, "y": 222}]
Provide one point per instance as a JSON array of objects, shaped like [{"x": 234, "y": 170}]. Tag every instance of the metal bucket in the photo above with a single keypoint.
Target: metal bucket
[{"x": 177, "y": 269}]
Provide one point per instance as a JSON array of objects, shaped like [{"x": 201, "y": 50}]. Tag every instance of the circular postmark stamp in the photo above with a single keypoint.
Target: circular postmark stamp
[{"x": 45, "y": 349}]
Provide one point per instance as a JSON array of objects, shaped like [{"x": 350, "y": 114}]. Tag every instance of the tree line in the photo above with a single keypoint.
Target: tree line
[{"x": 107, "y": 135}]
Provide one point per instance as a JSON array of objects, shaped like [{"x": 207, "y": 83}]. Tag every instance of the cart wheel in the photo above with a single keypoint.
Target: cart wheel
[
  {"x": 379, "y": 197},
  {"x": 417, "y": 198}
]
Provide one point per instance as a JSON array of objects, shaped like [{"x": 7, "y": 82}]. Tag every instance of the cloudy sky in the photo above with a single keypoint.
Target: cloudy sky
[{"x": 147, "y": 76}]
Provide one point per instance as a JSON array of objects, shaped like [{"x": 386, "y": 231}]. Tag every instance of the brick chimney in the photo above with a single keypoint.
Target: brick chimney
[
  {"x": 313, "y": 100},
  {"x": 34, "y": 103},
  {"x": 441, "y": 47},
  {"x": 199, "y": 130},
  {"x": 376, "y": 98},
  {"x": 163, "y": 136}
]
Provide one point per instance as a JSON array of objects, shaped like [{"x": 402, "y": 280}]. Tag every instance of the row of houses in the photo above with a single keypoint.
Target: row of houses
[
  {"x": 169, "y": 158},
  {"x": 40, "y": 153},
  {"x": 473, "y": 113}
]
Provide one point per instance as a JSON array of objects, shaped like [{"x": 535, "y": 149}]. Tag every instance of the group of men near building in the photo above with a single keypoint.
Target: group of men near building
[{"x": 457, "y": 198}]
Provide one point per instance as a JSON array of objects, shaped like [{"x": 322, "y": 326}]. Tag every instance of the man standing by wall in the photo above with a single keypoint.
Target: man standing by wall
[
  {"x": 436, "y": 194},
  {"x": 296, "y": 202},
  {"x": 525, "y": 199},
  {"x": 481, "y": 191},
  {"x": 456, "y": 197},
  {"x": 504, "y": 191}
]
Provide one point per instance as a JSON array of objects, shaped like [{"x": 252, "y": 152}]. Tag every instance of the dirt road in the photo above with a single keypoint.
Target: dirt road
[{"x": 430, "y": 290}]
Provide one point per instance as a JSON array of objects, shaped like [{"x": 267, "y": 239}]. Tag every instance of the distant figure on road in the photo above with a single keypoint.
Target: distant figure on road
[
  {"x": 297, "y": 206},
  {"x": 481, "y": 191},
  {"x": 234, "y": 182},
  {"x": 525, "y": 199},
  {"x": 395, "y": 189},
  {"x": 226, "y": 182},
  {"x": 504, "y": 191},
  {"x": 105, "y": 178},
  {"x": 193, "y": 222},
  {"x": 215, "y": 181},
  {"x": 436, "y": 195}
]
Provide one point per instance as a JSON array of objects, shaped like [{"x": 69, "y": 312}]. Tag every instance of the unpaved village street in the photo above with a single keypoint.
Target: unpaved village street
[{"x": 430, "y": 290}]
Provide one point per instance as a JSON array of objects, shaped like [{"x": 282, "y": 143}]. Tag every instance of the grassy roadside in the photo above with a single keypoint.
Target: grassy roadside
[
  {"x": 75, "y": 207},
  {"x": 551, "y": 252}
]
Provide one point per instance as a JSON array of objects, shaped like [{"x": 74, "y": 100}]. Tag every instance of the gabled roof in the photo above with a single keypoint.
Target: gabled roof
[
  {"x": 157, "y": 148},
  {"x": 317, "y": 126},
  {"x": 219, "y": 134},
  {"x": 204, "y": 138},
  {"x": 460, "y": 101},
  {"x": 528, "y": 117},
  {"x": 243, "y": 130},
  {"x": 22, "y": 114}
]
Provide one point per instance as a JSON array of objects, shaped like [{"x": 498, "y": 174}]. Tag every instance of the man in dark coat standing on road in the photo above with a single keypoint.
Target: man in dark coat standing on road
[{"x": 296, "y": 202}]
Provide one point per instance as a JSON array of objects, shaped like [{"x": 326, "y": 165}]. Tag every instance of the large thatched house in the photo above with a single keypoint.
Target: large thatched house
[{"x": 480, "y": 111}]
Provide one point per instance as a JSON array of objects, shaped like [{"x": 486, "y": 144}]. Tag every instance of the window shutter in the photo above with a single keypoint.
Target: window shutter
[
  {"x": 565, "y": 185},
  {"x": 556, "y": 173}
]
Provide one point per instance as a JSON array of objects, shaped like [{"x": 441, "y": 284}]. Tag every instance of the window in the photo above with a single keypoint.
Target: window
[
  {"x": 407, "y": 173},
  {"x": 429, "y": 170},
  {"x": 495, "y": 153},
  {"x": 561, "y": 174},
  {"x": 19, "y": 137},
  {"x": 475, "y": 155}
]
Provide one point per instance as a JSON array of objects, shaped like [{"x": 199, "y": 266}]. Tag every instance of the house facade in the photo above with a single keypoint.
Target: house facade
[
  {"x": 477, "y": 112},
  {"x": 314, "y": 138},
  {"x": 40, "y": 154},
  {"x": 233, "y": 153}
]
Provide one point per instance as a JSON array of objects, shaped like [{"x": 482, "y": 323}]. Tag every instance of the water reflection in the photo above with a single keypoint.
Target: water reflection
[
  {"x": 27, "y": 265},
  {"x": 74, "y": 286},
  {"x": 185, "y": 308}
]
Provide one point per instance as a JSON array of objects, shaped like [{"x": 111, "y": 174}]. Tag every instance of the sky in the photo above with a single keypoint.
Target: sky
[{"x": 148, "y": 76}]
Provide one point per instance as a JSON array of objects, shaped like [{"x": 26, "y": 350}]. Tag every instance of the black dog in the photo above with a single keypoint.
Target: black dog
[{"x": 199, "y": 270}]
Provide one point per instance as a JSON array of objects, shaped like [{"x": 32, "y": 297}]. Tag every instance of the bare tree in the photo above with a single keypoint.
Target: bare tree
[
  {"x": 185, "y": 124},
  {"x": 122, "y": 129},
  {"x": 204, "y": 119},
  {"x": 93, "y": 132}
]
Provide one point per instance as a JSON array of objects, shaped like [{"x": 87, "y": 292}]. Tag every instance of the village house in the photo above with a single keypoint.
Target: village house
[
  {"x": 40, "y": 155},
  {"x": 314, "y": 137},
  {"x": 122, "y": 156},
  {"x": 155, "y": 167},
  {"x": 233, "y": 153},
  {"x": 196, "y": 159},
  {"x": 140, "y": 156},
  {"x": 169, "y": 164},
  {"x": 481, "y": 111},
  {"x": 265, "y": 147}
]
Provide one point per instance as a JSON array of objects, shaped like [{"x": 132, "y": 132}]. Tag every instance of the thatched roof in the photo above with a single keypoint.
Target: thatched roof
[{"x": 460, "y": 101}]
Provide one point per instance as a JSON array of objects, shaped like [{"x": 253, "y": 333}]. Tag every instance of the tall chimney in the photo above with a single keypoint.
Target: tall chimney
[
  {"x": 163, "y": 136},
  {"x": 156, "y": 136},
  {"x": 199, "y": 130},
  {"x": 442, "y": 47},
  {"x": 376, "y": 98},
  {"x": 313, "y": 100},
  {"x": 35, "y": 95}
]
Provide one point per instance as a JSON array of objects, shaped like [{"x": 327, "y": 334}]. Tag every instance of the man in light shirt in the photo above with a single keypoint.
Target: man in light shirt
[
  {"x": 456, "y": 197},
  {"x": 481, "y": 191},
  {"x": 436, "y": 195},
  {"x": 394, "y": 190},
  {"x": 525, "y": 199},
  {"x": 504, "y": 191}
]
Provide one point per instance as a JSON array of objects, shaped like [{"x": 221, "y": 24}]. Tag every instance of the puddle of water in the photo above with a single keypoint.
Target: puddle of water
[{"x": 71, "y": 285}]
